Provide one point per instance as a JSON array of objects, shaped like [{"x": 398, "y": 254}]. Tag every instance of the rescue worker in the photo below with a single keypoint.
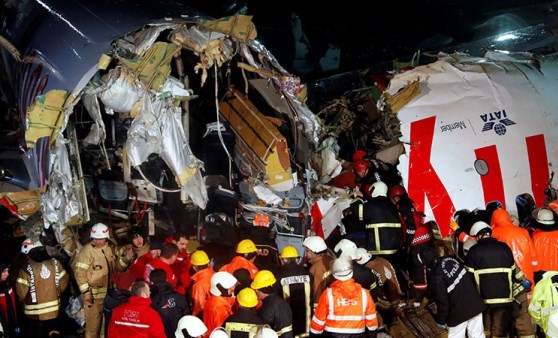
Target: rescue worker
[
  {"x": 387, "y": 295},
  {"x": 345, "y": 309},
  {"x": 383, "y": 227},
  {"x": 170, "y": 304},
  {"x": 363, "y": 276},
  {"x": 417, "y": 235},
  {"x": 137, "y": 267},
  {"x": 219, "y": 305},
  {"x": 296, "y": 287},
  {"x": 369, "y": 171},
  {"x": 459, "y": 305},
  {"x": 39, "y": 286},
  {"x": 545, "y": 240},
  {"x": 315, "y": 250},
  {"x": 93, "y": 267},
  {"x": 190, "y": 327},
  {"x": 169, "y": 252},
  {"x": 246, "y": 254},
  {"x": 117, "y": 295},
  {"x": 544, "y": 300},
  {"x": 495, "y": 272},
  {"x": 275, "y": 311},
  {"x": 136, "y": 317},
  {"x": 8, "y": 307},
  {"x": 525, "y": 258},
  {"x": 182, "y": 265},
  {"x": 239, "y": 324},
  {"x": 139, "y": 245},
  {"x": 263, "y": 237},
  {"x": 201, "y": 281}
]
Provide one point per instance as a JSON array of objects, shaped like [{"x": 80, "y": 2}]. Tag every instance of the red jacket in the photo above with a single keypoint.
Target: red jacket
[
  {"x": 181, "y": 269},
  {"x": 158, "y": 263},
  {"x": 4, "y": 304},
  {"x": 239, "y": 262},
  {"x": 518, "y": 240},
  {"x": 216, "y": 310},
  {"x": 137, "y": 268},
  {"x": 136, "y": 318}
]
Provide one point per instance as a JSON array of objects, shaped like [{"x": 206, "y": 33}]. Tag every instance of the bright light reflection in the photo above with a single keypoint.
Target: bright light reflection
[{"x": 505, "y": 37}]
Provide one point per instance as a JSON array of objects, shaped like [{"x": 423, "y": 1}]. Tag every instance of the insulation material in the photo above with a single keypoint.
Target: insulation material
[
  {"x": 45, "y": 116},
  {"x": 259, "y": 143},
  {"x": 154, "y": 67},
  {"x": 240, "y": 27},
  {"x": 121, "y": 93},
  {"x": 21, "y": 203}
]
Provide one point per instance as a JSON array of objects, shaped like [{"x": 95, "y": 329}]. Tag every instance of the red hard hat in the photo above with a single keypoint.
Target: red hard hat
[
  {"x": 360, "y": 165},
  {"x": 359, "y": 155},
  {"x": 396, "y": 190}
]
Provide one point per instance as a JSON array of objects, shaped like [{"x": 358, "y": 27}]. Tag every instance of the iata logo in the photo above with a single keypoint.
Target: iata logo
[{"x": 502, "y": 121}]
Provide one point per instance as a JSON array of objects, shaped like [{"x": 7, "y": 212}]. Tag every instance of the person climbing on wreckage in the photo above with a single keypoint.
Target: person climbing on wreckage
[{"x": 369, "y": 170}]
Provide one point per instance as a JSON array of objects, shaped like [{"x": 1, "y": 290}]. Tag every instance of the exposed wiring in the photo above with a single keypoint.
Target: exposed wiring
[
  {"x": 153, "y": 184},
  {"x": 219, "y": 126}
]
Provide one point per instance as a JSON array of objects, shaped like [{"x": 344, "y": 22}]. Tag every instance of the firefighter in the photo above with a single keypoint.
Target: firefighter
[
  {"x": 239, "y": 324},
  {"x": 544, "y": 300},
  {"x": 345, "y": 309},
  {"x": 263, "y": 237},
  {"x": 545, "y": 240},
  {"x": 296, "y": 287},
  {"x": 496, "y": 276},
  {"x": 369, "y": 171},
  {"x": 219, "y": 305},
  {"x": 137, "y": 243},
  {"x": 417, "y": 235},
  {"x": 459, "y": 305},
  {"x": 170, "y": 304},
  {"x": 387, "y": 295},
  {"x": 39, "y": 285},
  {"x": 246, "y": 255},
  {"x": 136, "y": 317},
  {"x": 137, "y": 266},
  {"x": 363, "y": 276},
  {"x": 201, "y": 281},
  {"x": 525, "y": 257},
  {"x": 92, "y": 269},
  {"x": 316, "y": 253},
  {"x": 383, "y": 227},
  {"x": 275, "y": 311}
]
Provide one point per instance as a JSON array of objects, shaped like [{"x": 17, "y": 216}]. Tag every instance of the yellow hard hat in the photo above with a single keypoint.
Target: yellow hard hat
[
  {"x": 247, "y": 297},
  {"x": 289, "y": 252},
  {"x": 199, "y": 257},
  {"x": 246, "y": 246},
  {"x": 264, "y": 278}
]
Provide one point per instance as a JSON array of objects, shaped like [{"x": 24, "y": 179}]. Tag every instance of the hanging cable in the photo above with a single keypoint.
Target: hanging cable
[{"x": 219, "y": 126}]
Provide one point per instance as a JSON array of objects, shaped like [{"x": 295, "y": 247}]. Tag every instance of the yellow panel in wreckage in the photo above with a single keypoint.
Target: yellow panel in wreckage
[
  {"x": 45, "y": 116},
  {"x": 258, "y": 143}
]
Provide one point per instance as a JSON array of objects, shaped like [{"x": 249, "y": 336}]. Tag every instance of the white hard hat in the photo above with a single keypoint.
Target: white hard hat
[
  {"x": 192, "y": 324},
  {"x": 315, "y": 244},
  {"x": 468, "y": 244},
  {"x": 265, "y": 332},
  {"x": 362, "y": 256},
  {"x": 342, "y": 269},
  {"x": 478, "y": 226},
  {"x": 28, "y": 244},
  {"x": 99, "y": 230},
  {"x": 346, "y": 248},
  {"x": 219, "y": 332},
  {"x": 544, "y": 216},
  {"x": 379, "y": 189},
  {"x": 223, "y": 278},
  {"x": 552, "y": 330}
]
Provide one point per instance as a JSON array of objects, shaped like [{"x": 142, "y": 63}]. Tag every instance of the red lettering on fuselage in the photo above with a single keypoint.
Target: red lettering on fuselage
[
  {"x": 538, "y": 165},
  {"x": 423, "y": 180},
  {"x": 492, "y": 182}
]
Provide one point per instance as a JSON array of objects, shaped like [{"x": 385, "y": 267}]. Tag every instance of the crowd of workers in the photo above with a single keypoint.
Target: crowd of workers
[{"x": 495, "y": 279}]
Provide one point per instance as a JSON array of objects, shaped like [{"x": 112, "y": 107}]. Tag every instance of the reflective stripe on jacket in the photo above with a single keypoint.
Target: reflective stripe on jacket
[
  {"x": 345, "y": 308},
  {"x": 545, "y": 299}
]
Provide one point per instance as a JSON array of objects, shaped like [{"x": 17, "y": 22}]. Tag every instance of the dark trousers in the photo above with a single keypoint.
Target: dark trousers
[
  {"x": 497, "y": 320},
  {"x": 33, "y": 328}
]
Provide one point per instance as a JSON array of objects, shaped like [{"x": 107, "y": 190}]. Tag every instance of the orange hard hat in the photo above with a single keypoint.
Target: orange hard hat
[
  {"x": 261, "y": 220},
  {"x": 553, "y": 206},
  {"x": 396, "y": 190}
]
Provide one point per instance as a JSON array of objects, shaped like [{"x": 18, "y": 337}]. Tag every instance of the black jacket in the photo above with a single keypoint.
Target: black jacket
[
  {"x": 496, "y": 287},
  {"x": 170, "y": 305},
  {"x": 113, "y": 298},
  {"x": 238, "y": 324},
  {"x": 293, "y": 279},
  {"x": 381, "y": 217},
  {"x": 277, "y": 313},
  {"x": 455, "y": 292}
]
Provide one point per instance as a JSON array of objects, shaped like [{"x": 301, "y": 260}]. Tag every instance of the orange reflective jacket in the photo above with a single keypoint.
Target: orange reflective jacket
[
  {"x": 519, "y": 241},
  {"x": 200, "y": 289},
  {"x": 217, "y": 309},
  {"x": 345, "y": 308},
  {"x": 546, "y": 245},
  {"x": 240, "y": 262}
]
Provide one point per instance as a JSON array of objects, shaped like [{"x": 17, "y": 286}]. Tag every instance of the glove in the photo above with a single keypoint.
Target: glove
[
  {"x": 526, "y": 284},
  {"x": 441, "y": 326}
]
